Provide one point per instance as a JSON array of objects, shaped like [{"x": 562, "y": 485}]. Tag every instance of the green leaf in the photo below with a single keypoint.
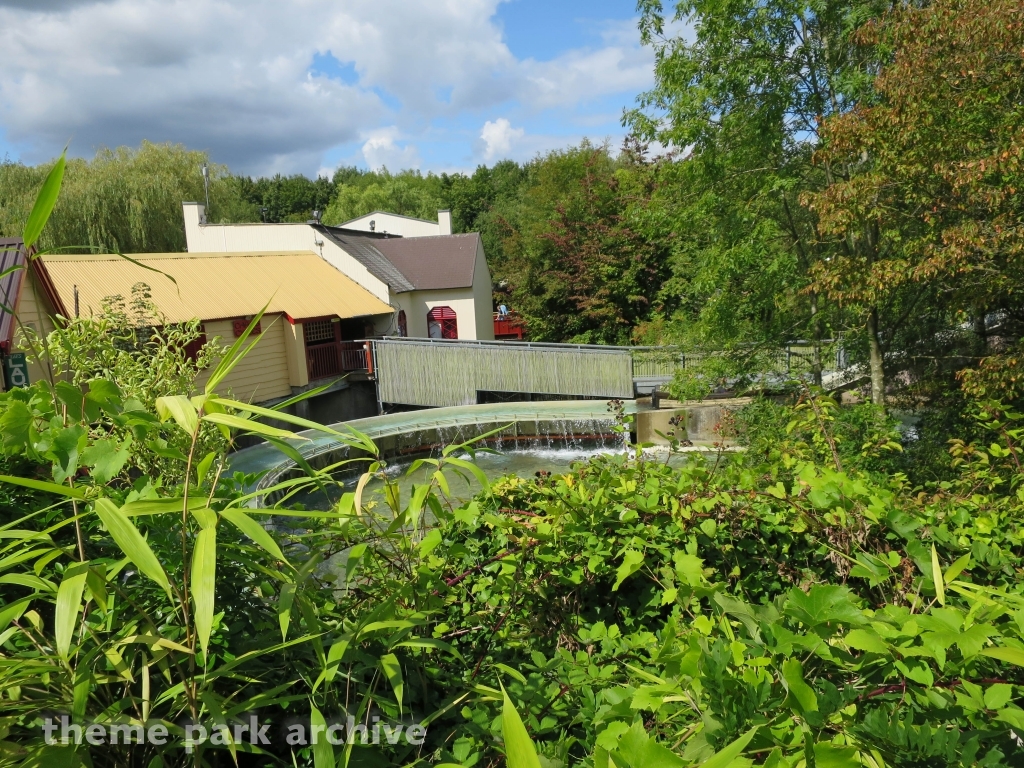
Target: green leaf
[
  {"x": 203, "y": 467},
  {"x": 724, "y": 757},
  {"x": 323, "y": 752},
  {"x": 958, "y": 567},
  {"x": 1005, "y": 653},
  {"x": 940, "y": 588},
  {"x": 69, "y": 603},
  {"x": 45, "y": 201},
  {"x": 631, "y": 563},
  {"x": 793, "y": 672},
  {"x": 866, "y": 640},
  {"x": 181, "y": 409},
  {"x": 430, "y": 542},
  {"x": 998, "y": 696},
  {"x": 42, "y": 485},
  {"x": 827, "y": 755},
  {"x": 473, "y": 469},
  {"x": 204, "y": 582},
  {"x": 285, "y": 599},
  {"x": 254, "y": 531},
  {"x": 824, "y": 604},
  {"x": 131, "y": 542},
  {"x": 106, "y": 459},
  {"x": 393, "y": 672},
  {"x": 519, "y": 749},
  {"x": 248, "y": 425}
]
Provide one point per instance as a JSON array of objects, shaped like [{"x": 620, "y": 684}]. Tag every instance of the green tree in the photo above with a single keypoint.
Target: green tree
[
  {"x": 741, "y": 95},
  {"x": 123, "y": 200}
]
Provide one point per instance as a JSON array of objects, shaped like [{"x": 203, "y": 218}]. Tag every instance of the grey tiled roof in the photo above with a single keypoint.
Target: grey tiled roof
[{"x": 363, "y": 249}]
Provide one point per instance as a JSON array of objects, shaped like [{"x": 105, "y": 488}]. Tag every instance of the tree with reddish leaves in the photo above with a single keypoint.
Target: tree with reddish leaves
[
  {"x": 926, "y": 210},
  {"x": 588, "y": 271}
]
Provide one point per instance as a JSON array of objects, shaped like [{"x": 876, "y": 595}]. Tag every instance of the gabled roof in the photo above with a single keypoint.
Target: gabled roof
[
  {"x": 213, "y": 286},
  {"x": 363, "y": 248},
  {"x": 12, "y": 254},
  {"x": 433, "y": 263}
]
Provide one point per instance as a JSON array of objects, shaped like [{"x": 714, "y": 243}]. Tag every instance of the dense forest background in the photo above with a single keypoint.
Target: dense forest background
[{"x": 799, "y": 171}]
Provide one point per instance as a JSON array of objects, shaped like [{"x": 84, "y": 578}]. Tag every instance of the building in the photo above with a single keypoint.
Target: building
[
  {"x": 397, "y": 225},
  {"x": 436, "y": 283},
  {"x": 310, "y": 334}
]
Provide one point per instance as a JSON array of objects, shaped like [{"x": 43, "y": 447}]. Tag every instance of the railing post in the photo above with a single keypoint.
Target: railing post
[{"x": 368, "y": 349}]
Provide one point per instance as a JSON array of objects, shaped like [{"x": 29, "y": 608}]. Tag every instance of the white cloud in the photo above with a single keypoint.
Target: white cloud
[
  {"x": 381, "y": 149},
  {"x": 499, "y": 137},
  {"x": 233, "y": 76}
]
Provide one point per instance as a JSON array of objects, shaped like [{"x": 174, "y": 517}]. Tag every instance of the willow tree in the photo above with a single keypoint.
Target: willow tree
[{"x": 124, "y": 199}]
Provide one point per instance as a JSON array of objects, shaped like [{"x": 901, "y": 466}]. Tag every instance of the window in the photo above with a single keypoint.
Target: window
[
  {"x": 442, "y": 323},
  {"x": 194, "y": 347},
  {"x": 403, "y": 324}
]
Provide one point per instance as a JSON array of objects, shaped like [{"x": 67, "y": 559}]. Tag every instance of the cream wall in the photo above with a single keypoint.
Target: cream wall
[
  {"x": 418, "y": 303},
  {"x": 397, "y": 225},
  {"x": 483, "y": 296},
  {"x": 235, "y": 238},
  {"x": 264, "y": 373},
  {"x": 32, "y": 310}
]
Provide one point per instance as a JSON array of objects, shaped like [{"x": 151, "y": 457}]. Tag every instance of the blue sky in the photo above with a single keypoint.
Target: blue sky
[{"x": 277, "y": 86}]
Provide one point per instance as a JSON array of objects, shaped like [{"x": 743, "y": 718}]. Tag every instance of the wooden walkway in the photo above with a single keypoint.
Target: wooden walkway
[{"x": 441, "y": 372}]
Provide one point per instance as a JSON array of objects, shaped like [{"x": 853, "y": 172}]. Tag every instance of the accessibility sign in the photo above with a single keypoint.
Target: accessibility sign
[{"x": 15, "y": 370}]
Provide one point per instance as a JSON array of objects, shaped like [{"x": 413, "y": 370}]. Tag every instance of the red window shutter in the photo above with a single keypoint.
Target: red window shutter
[{"x": 444, "y": 321}]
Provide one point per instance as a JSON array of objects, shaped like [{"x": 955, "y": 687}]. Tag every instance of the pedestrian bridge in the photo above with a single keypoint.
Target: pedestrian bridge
[{"x": 439, "y": 373}]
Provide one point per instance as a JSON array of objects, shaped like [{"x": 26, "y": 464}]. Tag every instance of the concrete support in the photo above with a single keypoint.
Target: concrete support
[{"x": 295, "y": 350}]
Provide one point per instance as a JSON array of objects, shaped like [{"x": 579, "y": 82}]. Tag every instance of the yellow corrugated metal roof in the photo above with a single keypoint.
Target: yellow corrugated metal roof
[{"x": 215, "y": 285}]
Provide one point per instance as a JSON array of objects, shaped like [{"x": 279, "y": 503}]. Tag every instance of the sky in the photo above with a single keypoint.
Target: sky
[{"x": 305, "y": 86}]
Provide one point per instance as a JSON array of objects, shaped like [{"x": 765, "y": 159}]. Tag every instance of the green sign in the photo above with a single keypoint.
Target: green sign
[{"x": 16, "y": 370}]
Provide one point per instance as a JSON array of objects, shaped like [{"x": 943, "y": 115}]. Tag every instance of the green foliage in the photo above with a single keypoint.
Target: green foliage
[
  {"x": 124, "y": 200},
  {"x": 139, "y": 358}
]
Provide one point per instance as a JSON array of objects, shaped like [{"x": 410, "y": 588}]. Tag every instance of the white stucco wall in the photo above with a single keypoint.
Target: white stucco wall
[
  {"x": 483, "y": 296},
  {"x": 402, "y": 225},
  {"x": 220, "y": 238}
]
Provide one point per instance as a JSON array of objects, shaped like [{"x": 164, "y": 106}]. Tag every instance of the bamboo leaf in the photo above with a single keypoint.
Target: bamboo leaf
[
  {"x": 323, "y": 752},
  {"x": 393, "y": 672},
  {"x": 285, "y": 417},
  {"x": 248, "y": 425},
  {"x": 940, "y": 588},
  {"x": 204, "y": 582},
  {"x": 284, "y": 607},
  {"x": 519, "y": 749},
  {"x": 69, "y": 603},
  {"x": 254, "y": 531},
  {"x": 958, "y": 567},
  {"x": 358, "y": 499},
  {"x": 181, "y": 409},
  {"x": 42, "y": 485},
  {"x": 234, "y": 354},
  {"x": 131, "y": 542},
  {"x": 45, "y": 201},
  {"x": 474, "y": 469}
]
